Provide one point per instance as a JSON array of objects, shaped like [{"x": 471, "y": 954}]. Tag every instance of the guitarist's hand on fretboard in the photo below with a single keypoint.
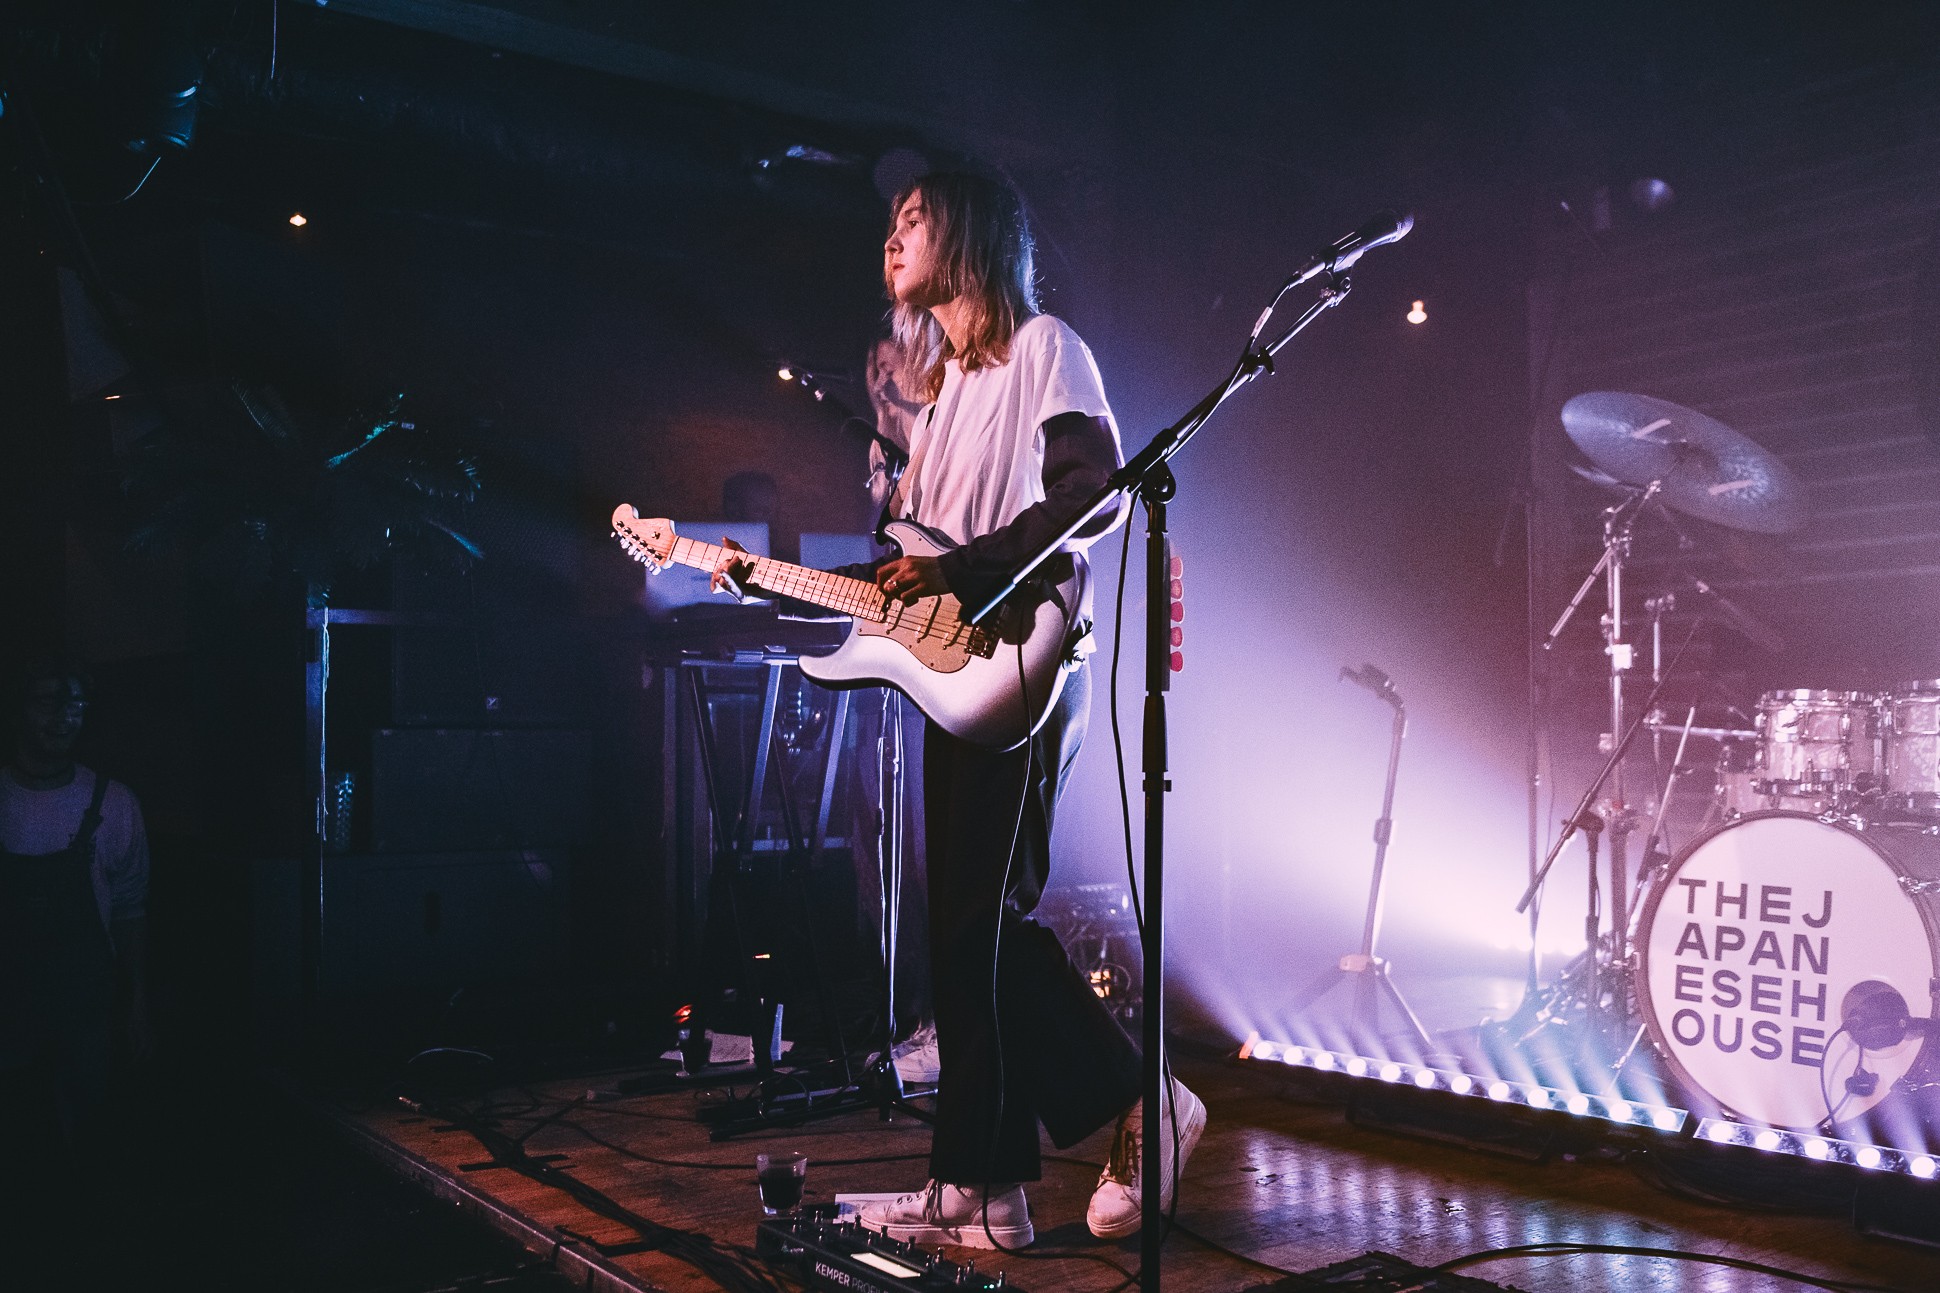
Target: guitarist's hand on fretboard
[
  {"x": 735, "y": 577},
  {"x": 911, "y": 578}
]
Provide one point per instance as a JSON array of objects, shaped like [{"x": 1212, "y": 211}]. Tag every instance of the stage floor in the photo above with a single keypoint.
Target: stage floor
[{"x": 1288, "y": 1183}]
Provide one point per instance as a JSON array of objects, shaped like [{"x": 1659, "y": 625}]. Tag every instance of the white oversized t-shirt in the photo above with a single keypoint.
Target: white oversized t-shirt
[
  {"x": 44, "y": 821},
  {"x": 982, "y": 452}
]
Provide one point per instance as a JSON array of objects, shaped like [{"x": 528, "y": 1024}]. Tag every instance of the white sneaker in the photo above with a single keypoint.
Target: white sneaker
[
  {"x": 954, "y": 1214},
  {"x": 916, "y": 1059},
  {"x": 1116, "y": 1203}
]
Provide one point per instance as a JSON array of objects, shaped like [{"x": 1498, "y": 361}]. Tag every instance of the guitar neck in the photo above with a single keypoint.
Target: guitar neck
[{"x": 857, "y": 597}]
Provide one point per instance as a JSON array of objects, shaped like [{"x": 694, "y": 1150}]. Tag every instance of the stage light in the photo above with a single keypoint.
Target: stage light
[
  {"x": 298, "y": 220},
  {"x": 1818, "y": 1148},
  {"x": 1418, "y": 314},
  {"x": 1323, "y": 1059},
  {"x": 1392, "y": 1073},
  {"x": 1578, "y": 1104},
  {"x": 1461, "y": 1084},
  {"x": 1538, "y": 1098},
  {"x": 1425, "y": 1078},
  {"x": 1294, "y": 1055},
  {"x": 1357, "y": 1066},
  {"x": 786, "y": 373},
  {"x": 1498, "y": 1091},
  {"x": 1621, "y": 1110},
  {"x": 1667, "y": 1119},
  {"x": 1651, "y": 194}
]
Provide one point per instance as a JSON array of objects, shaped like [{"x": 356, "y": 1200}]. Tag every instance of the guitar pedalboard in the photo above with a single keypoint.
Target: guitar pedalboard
[{"x": 841, "y": 1256}]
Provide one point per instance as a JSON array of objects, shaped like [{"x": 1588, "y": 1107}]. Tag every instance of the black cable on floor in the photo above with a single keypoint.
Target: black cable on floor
[
  {"x": 1561, "y": 1249},
  {"x": 732, "y": 1266},
  {"x": 1201, "y": 1240}
]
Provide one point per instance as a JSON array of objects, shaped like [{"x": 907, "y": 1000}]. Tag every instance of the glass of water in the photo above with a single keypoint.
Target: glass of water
[{"x": 780, "y": 1177}]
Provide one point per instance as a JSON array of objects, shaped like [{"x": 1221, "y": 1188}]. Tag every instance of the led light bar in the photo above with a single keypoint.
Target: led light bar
[
  {"x": 1533, "y": 1095},
  {"x": 1825, "y": 1149}
]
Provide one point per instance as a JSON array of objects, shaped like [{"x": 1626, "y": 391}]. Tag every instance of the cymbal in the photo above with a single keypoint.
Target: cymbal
[{"x": 1708, "y": 470}]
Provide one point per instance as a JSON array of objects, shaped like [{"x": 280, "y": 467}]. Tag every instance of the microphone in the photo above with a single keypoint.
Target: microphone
[
  {"x": 1876, "y": 1017},
  {"x": 1382, "y": 227}
]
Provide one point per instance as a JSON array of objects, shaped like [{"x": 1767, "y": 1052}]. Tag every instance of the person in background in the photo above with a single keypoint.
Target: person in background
[{"x": 73, "y": 892}]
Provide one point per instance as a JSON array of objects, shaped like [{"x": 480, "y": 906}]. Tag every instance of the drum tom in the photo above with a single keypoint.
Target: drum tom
[
  {"x": 1815, "y": 747},
  {"x": 1912, "y": 741},
  {"x": 1759, "y": 934}
]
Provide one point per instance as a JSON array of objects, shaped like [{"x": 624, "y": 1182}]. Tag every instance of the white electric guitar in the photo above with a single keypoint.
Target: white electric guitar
[{"x": 966, "y": 677}]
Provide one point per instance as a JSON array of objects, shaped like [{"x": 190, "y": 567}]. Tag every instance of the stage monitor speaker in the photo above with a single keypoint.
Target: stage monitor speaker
[{"x": 445, "y": 790}]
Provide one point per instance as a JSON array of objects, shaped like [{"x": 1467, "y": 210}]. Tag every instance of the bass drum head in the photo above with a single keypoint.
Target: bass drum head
[{"x": 1750, "y": 942}]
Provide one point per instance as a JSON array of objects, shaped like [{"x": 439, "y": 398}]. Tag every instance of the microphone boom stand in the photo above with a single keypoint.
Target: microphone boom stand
[{"x": 1147, "y": 477}]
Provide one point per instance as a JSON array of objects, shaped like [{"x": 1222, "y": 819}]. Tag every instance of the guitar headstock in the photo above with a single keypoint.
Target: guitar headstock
[{"x": 650, "y": 542}]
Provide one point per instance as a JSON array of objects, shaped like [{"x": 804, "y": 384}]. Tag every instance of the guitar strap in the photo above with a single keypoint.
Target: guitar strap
[{"x": 898, "y": 496}]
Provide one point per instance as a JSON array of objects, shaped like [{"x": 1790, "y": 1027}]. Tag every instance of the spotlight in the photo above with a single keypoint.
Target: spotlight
[
  {"x": 1651, "y": 194},
  {"x": 1621, "y": 1110},
  {"x": 1462, "y": 1084},
  {"x": 1498, "y": 1091},
  {"x": 1263, "y": 1050},
  {"x": 1816, "y": 1148},
  {"x": 1357, "y": 1066},
  {"x": 1866, "y": 1156},
  {"x": 1418, "y": 315},
  {"x": 1424, "y": 1078},
  {"x": 1323, "y": 1059},
  {"x": 1767, "y": 1139},
  {"x": 1390, "y": 1072},
  {"x": 1294, "y": 1055},
  {"x": 1721, "y": 1132},
  {"x": 786, "y": 373},
  {"x": 298, "y": 220},
  {"x": 1578, "y": 1104},
  {"x": 1667, "y": 1119},
  {"x": 1923, "y": 1167}
]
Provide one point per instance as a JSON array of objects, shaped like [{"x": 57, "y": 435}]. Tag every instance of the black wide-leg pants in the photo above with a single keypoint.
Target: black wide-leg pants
[{"x": 1033, "y": 1043}]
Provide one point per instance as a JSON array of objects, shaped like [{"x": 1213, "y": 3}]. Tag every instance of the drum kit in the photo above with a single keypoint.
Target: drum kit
[{"x": 1783, "y": 965}]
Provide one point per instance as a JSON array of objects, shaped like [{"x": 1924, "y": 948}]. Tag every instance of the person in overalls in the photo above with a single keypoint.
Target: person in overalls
[{"x": 73, "y": 885}]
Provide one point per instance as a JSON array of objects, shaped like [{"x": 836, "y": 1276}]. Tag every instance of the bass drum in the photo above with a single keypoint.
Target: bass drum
[{"x": 1755, "y": 942}]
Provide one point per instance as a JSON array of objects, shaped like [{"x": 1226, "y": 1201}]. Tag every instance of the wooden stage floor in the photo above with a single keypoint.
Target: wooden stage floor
[{"x": 1286, "y": 1182}]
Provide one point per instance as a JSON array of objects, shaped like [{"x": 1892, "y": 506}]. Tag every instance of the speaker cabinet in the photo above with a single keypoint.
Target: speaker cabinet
[{"x": 439, "y": 789}]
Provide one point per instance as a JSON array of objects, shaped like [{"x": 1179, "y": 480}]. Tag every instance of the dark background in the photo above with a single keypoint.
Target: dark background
[{"x": 575, "y": 238}]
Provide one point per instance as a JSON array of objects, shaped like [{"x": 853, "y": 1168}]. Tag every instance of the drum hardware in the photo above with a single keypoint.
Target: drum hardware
[
  {"x": 1619, "y": 520},
  {"x": 1654, "y": 721},
  {"x": 1614, "y": 950},
  {"x": 1664, "y": 800}
]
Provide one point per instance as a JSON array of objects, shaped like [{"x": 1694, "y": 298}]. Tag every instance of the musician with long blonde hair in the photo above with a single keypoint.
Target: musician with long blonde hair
[{"x": 1017, "y": 435}]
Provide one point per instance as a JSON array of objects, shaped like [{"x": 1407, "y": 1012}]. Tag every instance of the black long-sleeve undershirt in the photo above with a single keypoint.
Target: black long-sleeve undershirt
[{"x": 1080, "y": 453}]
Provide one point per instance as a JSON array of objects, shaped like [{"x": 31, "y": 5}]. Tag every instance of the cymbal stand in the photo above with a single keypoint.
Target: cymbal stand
[{"x": 1618, "y": 523}]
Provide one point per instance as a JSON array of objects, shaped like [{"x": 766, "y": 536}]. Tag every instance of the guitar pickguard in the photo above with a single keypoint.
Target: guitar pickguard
[{"x": 921, "y": 630}]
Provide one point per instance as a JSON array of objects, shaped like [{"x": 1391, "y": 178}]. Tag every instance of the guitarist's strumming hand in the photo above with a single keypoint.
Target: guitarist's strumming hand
[{"x": 909, "y": 578}]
